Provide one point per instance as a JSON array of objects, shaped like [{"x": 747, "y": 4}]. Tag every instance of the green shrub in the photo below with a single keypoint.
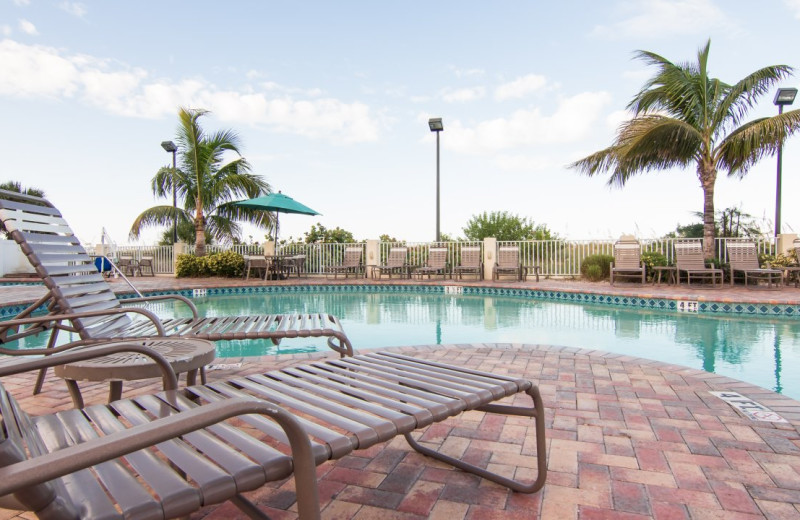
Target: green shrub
[
  {"x": 652, "y": 259},
  {"x": 779, "y": 260},
  {"x": 594, "y": 273},
  {"x": 603, "y": 262},
  {"x": 227, "y": 264}
]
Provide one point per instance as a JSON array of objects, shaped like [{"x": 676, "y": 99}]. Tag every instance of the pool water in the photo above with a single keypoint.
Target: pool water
[{"x": 752, "y": 349}]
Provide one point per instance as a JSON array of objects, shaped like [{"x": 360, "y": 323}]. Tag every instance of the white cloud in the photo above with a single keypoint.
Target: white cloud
[
  {"x": 39, "y": 71},
  {"x": 5, "y": 30},
  {"x": 794, "y": 6},
  {"x": 74, "y": 8},
  {"x": 520, "y": 87},
  {"x": 467, "y": 73},
  {"x": 659, "y": 18},
  {"x": 573, "y": 119},
  {"x": 27, "y": 27},
  {"x": 463, "y": 95},
  {"x": 22, "y": 2},
  {"x": 525, "y": 163}
]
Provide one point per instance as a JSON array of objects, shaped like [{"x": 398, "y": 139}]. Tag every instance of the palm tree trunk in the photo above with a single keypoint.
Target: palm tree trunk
[
  {"x": 200, "y": 235},
  {"x": 707, "y": 180}
]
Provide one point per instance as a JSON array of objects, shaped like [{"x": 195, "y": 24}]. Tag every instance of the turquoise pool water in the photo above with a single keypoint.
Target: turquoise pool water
[{"x": 761, "y": 350}]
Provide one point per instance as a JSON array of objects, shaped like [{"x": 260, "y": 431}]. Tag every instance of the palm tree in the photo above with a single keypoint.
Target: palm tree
[
  {"x": 16, "y": 187},
  {"x": 682, "y": 116},
  {"x": 206, "y": 185}
]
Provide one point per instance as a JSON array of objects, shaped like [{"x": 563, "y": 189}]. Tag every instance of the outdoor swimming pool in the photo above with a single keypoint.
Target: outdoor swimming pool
[{"x": 754, "y": 349}]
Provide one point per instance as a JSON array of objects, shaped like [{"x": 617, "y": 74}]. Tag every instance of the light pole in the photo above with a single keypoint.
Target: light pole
[
  {"x": 436, "y": 125},
  {"x": 784, "y": 96},
  {"x": 169, "y": 146}
]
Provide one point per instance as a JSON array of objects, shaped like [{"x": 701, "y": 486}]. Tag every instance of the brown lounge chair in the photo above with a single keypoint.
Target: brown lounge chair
[
  {"x": 80, "y": 300},
  {"x": 435, "y": 264},
  {"x": 507, "y": 263},
  {"x": 628, "y": 261},
  {"x": 395, "y": 264},
  {"x": 743, "y": 258},
  {"x": 471, "y": 263},
  {"x": 169, "y": 454},
  {"x": 352, "y": 263},
  {"x": 689, "y": 259}
]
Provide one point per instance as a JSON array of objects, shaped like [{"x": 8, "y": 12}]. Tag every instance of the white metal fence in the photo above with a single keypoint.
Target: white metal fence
[{"x": 556, "y": 258}]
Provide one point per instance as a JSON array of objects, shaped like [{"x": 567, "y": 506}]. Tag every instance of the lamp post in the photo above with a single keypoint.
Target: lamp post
[
  {"x": 169, "y": 146},
  {"x": 436, "y": 125},
  {"x": 784, "y": 96}
]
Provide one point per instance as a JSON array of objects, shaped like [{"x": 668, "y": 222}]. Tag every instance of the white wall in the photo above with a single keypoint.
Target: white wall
[{"x": 12, "y": 261}]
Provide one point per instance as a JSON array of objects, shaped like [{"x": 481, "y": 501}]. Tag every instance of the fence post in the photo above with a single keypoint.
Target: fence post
[
  {"x": 373, "y": 252},
  {"x": 785, "y": 242},
  {"x": 178, "y": 248},
  {"x": 489, "y": 253}
]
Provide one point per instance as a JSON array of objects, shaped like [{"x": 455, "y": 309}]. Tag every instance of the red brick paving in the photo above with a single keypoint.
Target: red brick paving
[{"x": 628, "y": 438}]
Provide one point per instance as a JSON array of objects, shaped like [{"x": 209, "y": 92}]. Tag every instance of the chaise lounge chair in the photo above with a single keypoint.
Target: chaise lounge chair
[
  {"x": 80, "y": 300},
  {"x": 628, "y": 261},
  {"x": 171, "y": 453},
  {"x": 743, "y": 258},
  {"x": 471, "y": 263},
  {"x": 395, "y": 264},
  {"x": 689, "y": 259},
  {"x": 507, "y": 263},
  {"x": 435, "y": 264},
  {"x": 351, "y": 264}
]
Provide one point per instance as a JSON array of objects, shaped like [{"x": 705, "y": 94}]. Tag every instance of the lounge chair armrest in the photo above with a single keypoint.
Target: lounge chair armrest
[
  {"x": 87, "y": 314},
  {"x": 44, "y": 468},
  {"x": 184, "y": 299},
  {"x": 91, "y": 352}
]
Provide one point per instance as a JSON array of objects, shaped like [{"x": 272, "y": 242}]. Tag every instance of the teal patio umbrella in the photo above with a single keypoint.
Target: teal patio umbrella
[{"x": 278, "y": 203}]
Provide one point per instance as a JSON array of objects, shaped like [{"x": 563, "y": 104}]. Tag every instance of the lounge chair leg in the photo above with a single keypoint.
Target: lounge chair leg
[
  {"x": 248, "y": 508},
  {"x": 51, "y": 343},
  {"x": 537, "y": 412}
]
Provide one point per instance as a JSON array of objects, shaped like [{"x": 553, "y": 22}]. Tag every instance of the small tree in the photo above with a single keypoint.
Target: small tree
[
  {"x": 503, "y": 225},
  {"x": 320, "y": 234}
]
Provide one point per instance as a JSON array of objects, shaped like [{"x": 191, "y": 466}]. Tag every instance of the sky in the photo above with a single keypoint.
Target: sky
[{"x": 331, "y": 102}]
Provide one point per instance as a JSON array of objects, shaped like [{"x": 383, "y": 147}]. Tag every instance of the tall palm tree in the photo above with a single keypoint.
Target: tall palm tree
[
  {"x": 206, "y": 184},
  {"x": 682, "y": 116}
]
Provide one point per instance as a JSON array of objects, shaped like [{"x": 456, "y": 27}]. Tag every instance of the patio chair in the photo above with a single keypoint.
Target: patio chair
[
  {"x": 126, "y": 265},
  {"x": 628, "y": 261},
  {"x": 146, "y": 266},
  {"x": 689, "y": 259},
  {"x": 255, "y": 264},
  {"x": 79, "y": 299},
  {"x": 395, "y": 264},
  {"x": 792, "y": 272},
  {"x": 352, "y": 263},
  {"x": 507, "y": 263},
  {"x": 169, "y": 454},
  {"x": 471, "y": 263},
  {"x": 435, "y": 264},
  {"x": 743, "y": 258}
]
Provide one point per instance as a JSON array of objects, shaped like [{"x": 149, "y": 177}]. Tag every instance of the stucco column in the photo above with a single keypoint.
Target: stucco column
[
  {"x": 269, "y": 248},
  {"x": 373, "y": 255},
  {"x": 179, "y": 248},
  {"x": 489, "y": 256},
  {"x": 786, "y": 242}
]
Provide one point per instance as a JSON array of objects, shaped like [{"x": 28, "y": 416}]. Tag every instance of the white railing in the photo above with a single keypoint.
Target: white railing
[{"x": 556, "y": 258}]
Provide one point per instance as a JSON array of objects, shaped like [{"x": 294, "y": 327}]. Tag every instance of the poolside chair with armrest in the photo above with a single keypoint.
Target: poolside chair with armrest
[
  {"x": 80, "y": 300},
  {"x": 791, "y": 272},
  {"x": 171, "y": 453},
  {"x": 628, "y": 261},
  {"x": 435, "y": 264},
  {"x": 146, "y": 266},
  {"x": 395, "y": 264},
  {"x": 743, "y": 258},
  {"x": 689, "y": 259},
  {"x": 352, "y": 263},
  {"x": 471, "y": 263},
  {"x": 507, "y": 263}
]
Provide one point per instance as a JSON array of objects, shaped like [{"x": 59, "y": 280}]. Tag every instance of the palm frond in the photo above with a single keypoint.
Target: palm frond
[{"x": 757, "y": 139}]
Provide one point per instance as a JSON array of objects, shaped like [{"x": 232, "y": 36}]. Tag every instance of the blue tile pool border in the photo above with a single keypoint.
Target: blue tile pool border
[{"x": 665, "y": 304}]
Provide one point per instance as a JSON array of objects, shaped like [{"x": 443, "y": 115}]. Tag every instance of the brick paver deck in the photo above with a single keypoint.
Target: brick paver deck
[{"x": 627, "y": 438}]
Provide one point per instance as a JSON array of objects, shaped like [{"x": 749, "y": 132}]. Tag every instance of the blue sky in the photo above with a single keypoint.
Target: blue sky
[{"x": 331, "y": 100}]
